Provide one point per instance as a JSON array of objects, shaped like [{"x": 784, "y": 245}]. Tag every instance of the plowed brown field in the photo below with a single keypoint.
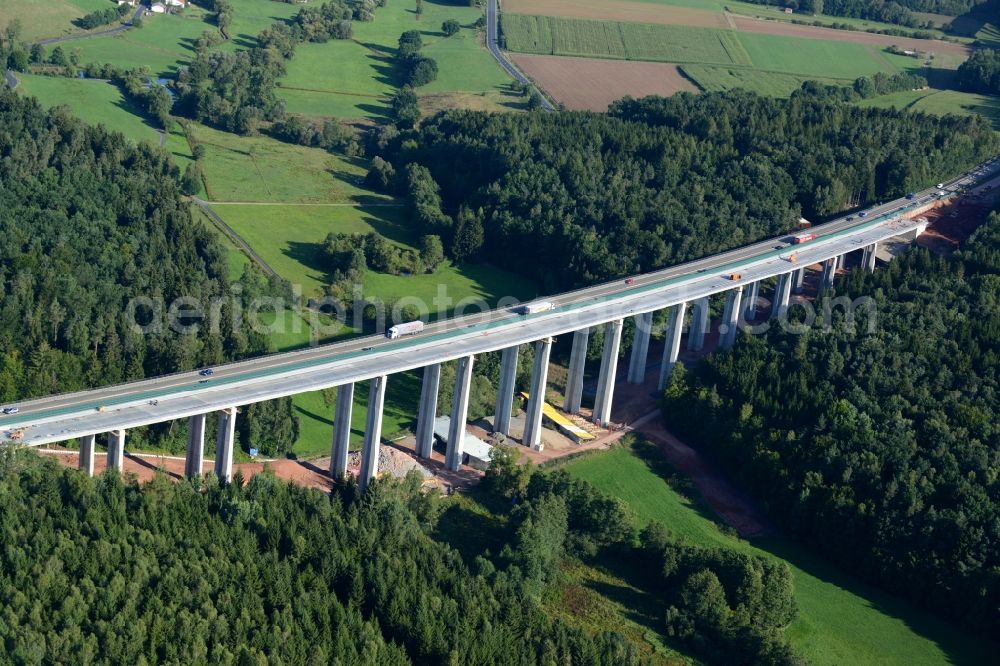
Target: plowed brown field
[{"x": 591, "y": 84}]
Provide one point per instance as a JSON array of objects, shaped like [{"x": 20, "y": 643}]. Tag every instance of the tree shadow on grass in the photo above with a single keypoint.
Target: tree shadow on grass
[
  {"x": 309, "y": 255},
  {"x": 655, "y": 461}
]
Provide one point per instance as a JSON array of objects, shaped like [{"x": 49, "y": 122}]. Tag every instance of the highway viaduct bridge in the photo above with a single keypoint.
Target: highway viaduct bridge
[{"x": 737, "y": 273}]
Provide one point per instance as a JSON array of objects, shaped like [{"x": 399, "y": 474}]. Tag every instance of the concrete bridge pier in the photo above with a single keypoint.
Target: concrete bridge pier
[
  {"x": 868, "y": 259},
  {"x": 750, "y": 302},
  {"x": 536, "y": 398},
  {"x": 699, "y": 325},
  {"x": 459, "y": 414},
  {"x": 782, "y": 294},
  {"x": 195, "y": 458},
  {"x": 798, "y": 280},
  {"x": 428, "y": 410},
  {"x": 116, "y": 450},
  {"x": 829, "y": 270},
  {"x": 341, "y": 430},
  {"x": 640, "y": 348},
  {"x": 672, "y": 344},
  {"x": 609, "y": 368},
  {"x": 373, "y": 431},
  {"x": 731, "y": 319},
  {"x": 86, "y": 462},
  {"x": 577, "y": 363},
  {"x": 224, "y": 442},
  {"x": 505, "y": 392}
]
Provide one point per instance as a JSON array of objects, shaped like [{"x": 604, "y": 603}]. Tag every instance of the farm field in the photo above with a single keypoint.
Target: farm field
[
  {"x": 262, "y": 169},
  {"x": 545, "y": 35},
  {"x": 621, "y": 10},
  {"x": 812, "y": 57},
  {"x": 359, "y": 87},
  {"x": 841, "y": 621},
  {"x": 940, "y": 102},
  {"x": 712, "y": 78},
  {"x": 94, "y": 102},
  {"x": 164, "y": 43},
  {"x": 591, "y": 84},
  {"x": 54, "y": 18}
]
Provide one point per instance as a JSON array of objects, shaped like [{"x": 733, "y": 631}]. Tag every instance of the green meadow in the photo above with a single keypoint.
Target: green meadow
[
  {"x": 164, "y": 43},
  {"x": 940, "y": 102},
  {"x": 841, "y": 621},
  {"x": 262, "y": 169},
  {"x": 713, "y": 78},
  {"x": 353, "y": 79},
  {"x": 95, "y": 102},
  {"x": 47, "y": 18}
]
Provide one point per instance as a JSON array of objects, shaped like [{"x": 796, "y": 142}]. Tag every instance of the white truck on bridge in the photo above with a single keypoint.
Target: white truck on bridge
[{"x": 409, "y": 328}]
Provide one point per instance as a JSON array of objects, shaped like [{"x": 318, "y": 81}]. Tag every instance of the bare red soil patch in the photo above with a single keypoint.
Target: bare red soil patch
[{"x": 590, "y": 84}]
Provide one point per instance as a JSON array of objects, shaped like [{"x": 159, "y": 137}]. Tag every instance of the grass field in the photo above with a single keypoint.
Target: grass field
[
  {"x": 164, "y": 43},
  {"x": 632, "y": 41},
  {"x": 289, "y": 239},
  {"x": 359, "y": 86},
  {"x": 776, "y": 84},
  {"x": 49, "y": 18},
  {"x": 940, "y": 102},
  {"x": 812, "y": 57},
  {"x": 261, "y": 169},
  {"x": 95, "y": 102},
  {"x": 841, "y": 621}
]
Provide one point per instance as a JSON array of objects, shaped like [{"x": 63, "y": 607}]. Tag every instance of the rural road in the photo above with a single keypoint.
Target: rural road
[
  {"x": 492, "y": 30},
  {"x": 103, "y": 33},
  {"x": 10, "y": 79}
]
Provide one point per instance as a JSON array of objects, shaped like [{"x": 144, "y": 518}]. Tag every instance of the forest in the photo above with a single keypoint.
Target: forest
[
  {"x": 270, "y": 572},
  {"x": 89, "y": 221},
  {"x": 576, "y": 198},
  {"x": 980, "y": 73},
  {"x": 879, "y": 450}
]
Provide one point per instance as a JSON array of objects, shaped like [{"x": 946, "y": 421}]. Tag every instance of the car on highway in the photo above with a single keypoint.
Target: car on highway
[
  {"x": 911, "y": 196},
  {"x": 207, "y": 372},
  {"x": 629, "y": 280},
  {"x": 11, "y": 410},
  {"x": 367, "y": 348},
  {"x": 940, "y": 186},
  {"x": 863, "y": 213},
  {"x": 850, "y": 217}
]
